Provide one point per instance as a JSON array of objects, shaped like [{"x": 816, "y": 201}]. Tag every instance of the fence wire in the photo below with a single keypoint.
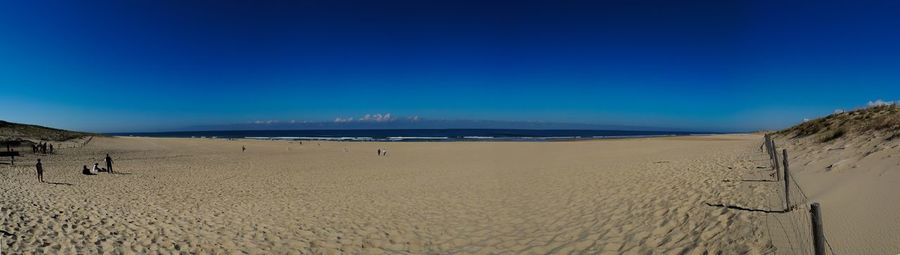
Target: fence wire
[{"x": 791, "y": 229}]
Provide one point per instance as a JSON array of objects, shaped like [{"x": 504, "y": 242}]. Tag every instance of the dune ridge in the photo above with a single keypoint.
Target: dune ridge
[{"x": 848, "y": 162}]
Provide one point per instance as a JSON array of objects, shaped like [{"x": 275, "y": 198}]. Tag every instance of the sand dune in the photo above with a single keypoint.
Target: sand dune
[
  {"x": 855, "y": 180},
  {"x": 848, "y": 162},
  {"x": 631, "y": 196}
]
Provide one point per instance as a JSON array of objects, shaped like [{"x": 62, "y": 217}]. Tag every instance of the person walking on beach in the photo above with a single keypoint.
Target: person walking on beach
[
  {"x": 243, "y": 148},
  {"x": 40, "y": 170},
  {"x": 379, "y": 152},
  {"x": 51, "y": 148},
  {"x": 109, "y": 163}
]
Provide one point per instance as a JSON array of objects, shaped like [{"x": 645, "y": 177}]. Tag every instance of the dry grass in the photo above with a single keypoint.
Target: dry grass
[
  {"x": 878, "y": 120},
  {"x": 833, "y": 134}
]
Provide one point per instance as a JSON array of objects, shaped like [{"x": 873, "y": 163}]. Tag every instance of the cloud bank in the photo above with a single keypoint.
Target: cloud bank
[
  {"x": 880, "y": 102},
  {"x": 376, "y": 117}
]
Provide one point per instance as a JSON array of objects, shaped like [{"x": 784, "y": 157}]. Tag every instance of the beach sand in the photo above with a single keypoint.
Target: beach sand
[{"x": 617, "y": 196}]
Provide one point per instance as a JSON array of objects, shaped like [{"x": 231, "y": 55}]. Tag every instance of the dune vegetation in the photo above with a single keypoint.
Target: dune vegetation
[
  {"x": 881, "y": 121},
  {"x": 16, "y": 131}
]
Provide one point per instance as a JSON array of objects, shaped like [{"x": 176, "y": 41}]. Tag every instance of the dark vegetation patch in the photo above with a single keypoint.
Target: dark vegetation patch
[{"x": 14, "y": 131}]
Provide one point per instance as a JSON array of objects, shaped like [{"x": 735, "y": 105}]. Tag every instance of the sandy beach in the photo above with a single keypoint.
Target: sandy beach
[
  {"x": 450, "y": 127},
  {"x": 617, "y": 196}
]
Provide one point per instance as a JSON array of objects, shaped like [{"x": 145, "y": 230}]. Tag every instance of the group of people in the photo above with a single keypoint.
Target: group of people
[
  {"x": 382, "y": 152},
  {"x": 97, "y": 169},
  {"x": 42, "y": 148},
  {"x": 85, "y": 170}
]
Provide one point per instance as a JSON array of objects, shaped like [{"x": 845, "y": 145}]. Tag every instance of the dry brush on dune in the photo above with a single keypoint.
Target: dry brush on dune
[
  {"x": 881, "y": 121},
  {"x": 17, "y": 131}
]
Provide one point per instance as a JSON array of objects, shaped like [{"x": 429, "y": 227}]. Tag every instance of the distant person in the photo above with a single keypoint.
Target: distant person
[
  {"x": 40, "y": 170},
  {"x": 51, "y": 148},
  {"x": 384, "y": 153},
  {"x": 33, "y": 148},
  {"x": 379, "y": 152},
  {"x": 243, "y": 148},
  {"x": 109, "y": 163},
  {"x": 86, "y": 171}
]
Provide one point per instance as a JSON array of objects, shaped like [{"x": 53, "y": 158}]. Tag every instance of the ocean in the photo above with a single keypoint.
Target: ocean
[{"x": 416, "y": 134}]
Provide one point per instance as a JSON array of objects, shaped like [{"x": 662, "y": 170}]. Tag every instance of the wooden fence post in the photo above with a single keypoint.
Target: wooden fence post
[
  {"x": 763, "y": 144},
  {"x": 784, "y": 160},
  {"x": 787, "y": 183},
  {"x": 817, "y": 231},
  {"x": 775, "y": 156},
  {"x": 769, "y": 149}
]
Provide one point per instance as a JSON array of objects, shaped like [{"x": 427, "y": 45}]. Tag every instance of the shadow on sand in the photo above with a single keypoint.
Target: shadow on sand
[
  {"x": 7, "y": 233},
  {"x": 751, "y": 180},
  {"x": 59, "y": 183},
  {"x": 746, "y": 209}
]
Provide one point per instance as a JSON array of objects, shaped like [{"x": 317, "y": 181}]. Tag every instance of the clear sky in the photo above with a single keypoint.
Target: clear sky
[{"x": 705, "y": 65}]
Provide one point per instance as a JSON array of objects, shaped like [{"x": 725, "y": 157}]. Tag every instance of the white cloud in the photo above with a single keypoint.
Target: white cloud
[
  {"x": 805, "y": 119},
  {"x": 265, "y": 121},
  {"x": 413, "y": 118},
  {"x": 880, "y": 102},
  {"x": 838, "y": 111},
  {"x": 342, "y": 120},
  {"x": 378, "y": 117}
]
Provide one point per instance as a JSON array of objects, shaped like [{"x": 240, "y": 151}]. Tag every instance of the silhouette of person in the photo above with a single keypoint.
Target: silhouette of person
[
  {"x": 86, "y": 171},
  {"x": 243, "y": 148},
  {"x": 51, "y": 148},
  {"x": 40, "y": 170},
  {"x": 97, "y": 168},
  {"x": 379, "y": 152},
  {"x": 109, "y": 163}
]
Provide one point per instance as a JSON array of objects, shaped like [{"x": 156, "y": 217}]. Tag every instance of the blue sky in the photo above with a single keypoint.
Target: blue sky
[{"x": 704, "y": 65}]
